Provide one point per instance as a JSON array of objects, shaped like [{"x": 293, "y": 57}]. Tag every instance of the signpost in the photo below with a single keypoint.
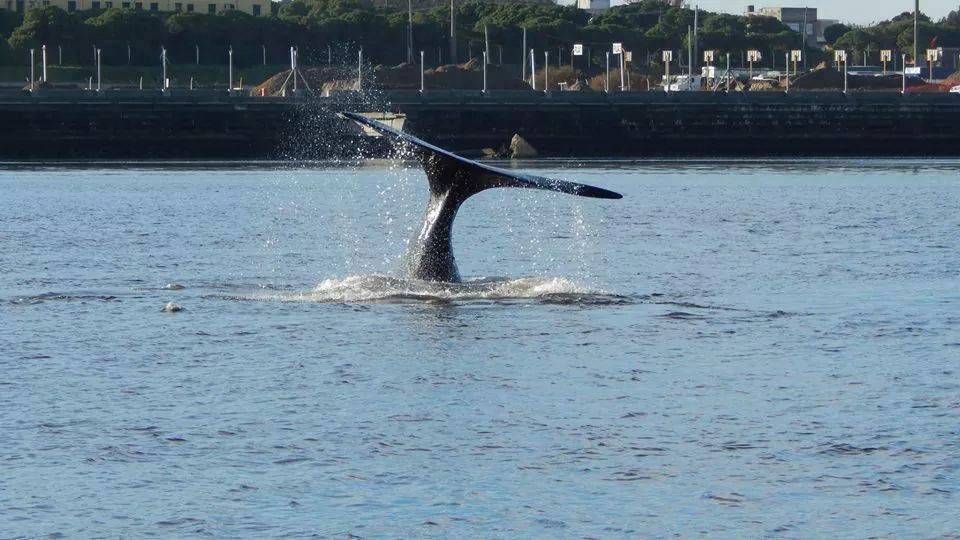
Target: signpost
[
  {"x": 667, "y": 58},
  {"x": 796, "y": 56},
  {"x": 886, "y": 56},
  {"x": 933, "y": 55},
  {"x": 577, "y": 51},
  {"x": 753, "y": 56},
  {"x": 841, "y": 56}
]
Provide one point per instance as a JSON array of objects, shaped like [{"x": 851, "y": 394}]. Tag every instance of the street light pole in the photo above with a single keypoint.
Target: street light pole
[{"x": 916, "y": 28}]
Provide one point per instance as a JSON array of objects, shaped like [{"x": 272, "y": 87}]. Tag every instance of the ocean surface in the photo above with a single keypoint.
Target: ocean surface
[{"x": 735, "y": 349}]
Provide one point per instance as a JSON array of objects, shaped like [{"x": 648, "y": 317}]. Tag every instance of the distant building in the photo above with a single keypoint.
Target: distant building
[
  {"x": 794, "y": 18},
  {"x": 253, "y": 7},
  {"x": 594, "y": 6}
]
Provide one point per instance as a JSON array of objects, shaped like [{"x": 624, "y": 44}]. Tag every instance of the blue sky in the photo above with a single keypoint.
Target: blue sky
[{"x": 857, "y": 11}]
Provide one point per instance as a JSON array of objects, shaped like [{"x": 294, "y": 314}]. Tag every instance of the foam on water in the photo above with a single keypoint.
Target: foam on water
[{"x": 384, "y": 288}]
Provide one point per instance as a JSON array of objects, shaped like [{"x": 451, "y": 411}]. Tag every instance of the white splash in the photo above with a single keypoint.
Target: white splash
[{"x": 381, "y": 288}]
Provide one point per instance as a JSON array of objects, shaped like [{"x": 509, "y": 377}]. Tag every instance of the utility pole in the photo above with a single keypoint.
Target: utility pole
[
  {"x": 486, "y": 45},
  {"x": 523, "y": 75},
  {"x": 453, "y": 33},
  {"x": 916, "y": 29},
  {"x": 803, "y": 38},
  {"x": 696, "y": 32},
  {"x": 409, "y": 31}
]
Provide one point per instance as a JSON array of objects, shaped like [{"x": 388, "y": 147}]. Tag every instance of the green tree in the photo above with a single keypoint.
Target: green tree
[
  {"x": 857, "y": 41},
  {"x": 833, "y": 32},
  {"x": 114, "y": 29},
  {"x": 725, "y": 33},
  {"x": 46, "y": 25}
]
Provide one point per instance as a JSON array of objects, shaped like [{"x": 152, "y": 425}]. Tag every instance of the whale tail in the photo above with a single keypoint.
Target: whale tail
[
  {"x": 452, "y": 180},
  {"x": 450, "y": 173}
]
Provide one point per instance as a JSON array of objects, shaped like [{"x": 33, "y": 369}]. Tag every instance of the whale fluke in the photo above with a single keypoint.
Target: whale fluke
[{"x": 453, "y": 179}]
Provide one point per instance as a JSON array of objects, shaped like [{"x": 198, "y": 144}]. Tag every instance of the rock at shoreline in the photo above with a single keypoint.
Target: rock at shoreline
[{"x": 521, "y": 149}]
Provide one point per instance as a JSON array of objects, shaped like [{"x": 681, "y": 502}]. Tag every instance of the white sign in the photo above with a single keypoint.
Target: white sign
[
  {"x": 617, "y": 48},
  {"x": 578, "y": 49},
  {"x": 628, "y": 56},
  {"x": 796, "y": 55},
  {"x": 933, "y": 55},
  {"x": 708, "y": 56},
  {"x": 668, "y": 56},
  {"x": 839, "y": 56},
  {"x": 886, "y": 55},
  {"x": 754, "y": 56}
]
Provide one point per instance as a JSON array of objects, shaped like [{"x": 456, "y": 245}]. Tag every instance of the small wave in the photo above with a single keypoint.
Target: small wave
[
  {"x": 388, "y": 289},
  {"x": 62, "y": 297}
]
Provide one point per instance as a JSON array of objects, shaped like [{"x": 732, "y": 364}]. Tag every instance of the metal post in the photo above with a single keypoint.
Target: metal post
[
  {"x": 360, "y": 69},
  {"x": 422, "y": 69},
  {"x": 696, "y": 27},
  {"x": 546, "y": 71},
  {"x": 329, "y": 55},
  {"x": 409, "y": 31},
  {"x": 903, "y": 89},
  {"x": 264, "y": 48},
  {"x": 191, "y": 83},
  {"x": 230, "y": 68},
  {"x": 486, "y": 45},
  {"x": 293, "y": 67},
  {"x": 59, "y": 55},
  {"x": 453, "y": 33},
  {"x": 845, "y": 64},
  {"x": 141, "y": 82},
  {"x": 484, "y": 72},
  {"x": 667, "y": 88},
  {"x": 728, "y": 73},
  {"x": 163, "y": 63},
  {"x": 43, "y": 59},
  {"x": 623, "y": 69},
  {"x": 33, "y": 63},
  {"x": 606, "y": 81},
  {"x": 129, "y": 54},
  {"x": 94, "y": 47},
  {"x": 803, "y": 38},
  {"x": 689, "y": 58},
  {"x": 916, "y": 30},
  {"x": 99, "y": 63},
  {"x": 786, "y": 62},
  {"x": 533, "y": 70},
  {"x": 197, "y": 53},
  {"x": 523, "y": 75},
  {"x": 500, "y": 49}
]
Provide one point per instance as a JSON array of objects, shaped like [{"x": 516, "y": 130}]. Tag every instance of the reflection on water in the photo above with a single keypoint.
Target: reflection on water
[{"x": 740, "y": 348}]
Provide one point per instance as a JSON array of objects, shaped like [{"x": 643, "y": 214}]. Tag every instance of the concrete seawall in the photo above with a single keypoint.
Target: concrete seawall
[{"x": 208, "y": 125}]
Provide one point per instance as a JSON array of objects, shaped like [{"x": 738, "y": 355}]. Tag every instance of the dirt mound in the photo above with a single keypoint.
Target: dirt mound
[
  {"x": 637, "y": 82},
  {"x": 831, "y": 79}
]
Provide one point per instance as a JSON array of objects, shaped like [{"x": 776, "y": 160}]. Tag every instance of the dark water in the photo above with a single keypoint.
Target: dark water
[{"x": 731, "y": 350}]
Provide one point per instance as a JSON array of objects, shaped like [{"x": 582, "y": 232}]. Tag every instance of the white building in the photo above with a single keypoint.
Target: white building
[{"x": 593, "y": 6}]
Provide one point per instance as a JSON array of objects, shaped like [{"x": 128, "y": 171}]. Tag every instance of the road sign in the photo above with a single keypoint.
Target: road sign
[
  {"x": 628, "y": 56},
  {"x": 886, "y": 55},
  {"x": 839, "y": 56},
  {"x": 617, "y": 48},
  {"x": 578, "y": 49},
  {"x": 754, "y": 56},
  {"x": 668, "y": 56},
  {"x": 796, "y": 55},
  {"x": 708, "y": 56},
  {"x": 933, "y": 55}
]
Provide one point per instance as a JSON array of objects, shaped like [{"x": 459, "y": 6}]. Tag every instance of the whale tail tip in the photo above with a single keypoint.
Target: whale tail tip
[{"x": 447, "y": 171}]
